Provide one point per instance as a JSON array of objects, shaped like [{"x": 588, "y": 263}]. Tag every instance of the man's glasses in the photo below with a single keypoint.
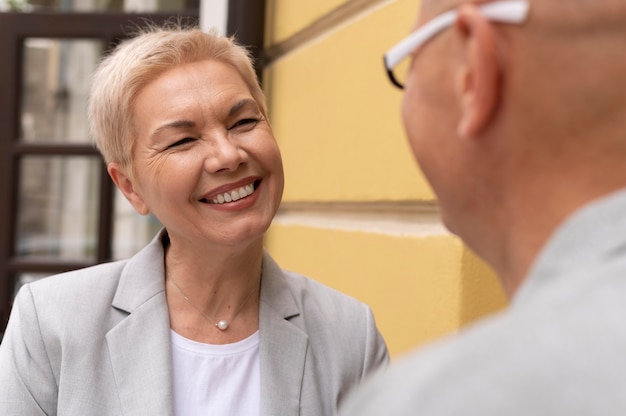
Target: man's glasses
[{"x": 397, "y": 59}]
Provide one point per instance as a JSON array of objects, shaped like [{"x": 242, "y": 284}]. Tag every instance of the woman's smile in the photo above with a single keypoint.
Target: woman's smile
[
  {"x": 241, "y": 197},
  {"x": 232, "y": 192}
]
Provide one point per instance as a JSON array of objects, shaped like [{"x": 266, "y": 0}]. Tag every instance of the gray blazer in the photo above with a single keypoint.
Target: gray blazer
[{"x": 96, "y": 341}]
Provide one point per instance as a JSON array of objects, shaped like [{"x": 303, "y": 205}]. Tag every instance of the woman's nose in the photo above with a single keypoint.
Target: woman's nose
[{"x": 225, "y": 154}]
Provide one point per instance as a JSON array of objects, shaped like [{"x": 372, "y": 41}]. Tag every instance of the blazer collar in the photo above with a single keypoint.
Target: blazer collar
[
  {"x": 283, "y": 345},
  {"x": 140, "y": 346}
]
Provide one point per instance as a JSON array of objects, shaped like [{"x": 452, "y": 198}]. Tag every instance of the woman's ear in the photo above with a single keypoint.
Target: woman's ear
[
  {"x": 125, "y": 184},
  {"x": 477, "y": 83}
]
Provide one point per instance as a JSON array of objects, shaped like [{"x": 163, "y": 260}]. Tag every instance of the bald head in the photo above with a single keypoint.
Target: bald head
[
  {"x": 569, "y": 51},
  {"x": 575, "y": 63},
  {"x": 510, "y": 120}
]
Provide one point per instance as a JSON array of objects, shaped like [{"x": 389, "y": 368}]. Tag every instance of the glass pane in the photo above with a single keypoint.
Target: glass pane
[
  {"x": 58, "y": 203},
  {"x": 100, "y": 5},
  {"x": 56, "y": 80},
  {"x": 131, "y": 231}
]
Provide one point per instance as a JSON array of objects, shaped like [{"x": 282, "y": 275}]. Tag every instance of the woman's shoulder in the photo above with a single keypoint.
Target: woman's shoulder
[
  {"x": 79, "y": 299},
  {"x": 97, "y": 277},
  {"x": 307, "y": 287},
  {"x": 100, "y": 279},
  {"x": 313, "y": 303},
  {"x": 73, "y": 295},
  {"x": 307, "y": 292},
  {"x": 336, "y": 323}
]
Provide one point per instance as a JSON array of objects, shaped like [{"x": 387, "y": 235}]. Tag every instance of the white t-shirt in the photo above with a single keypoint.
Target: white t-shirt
[{"x": 216, "y": 379}]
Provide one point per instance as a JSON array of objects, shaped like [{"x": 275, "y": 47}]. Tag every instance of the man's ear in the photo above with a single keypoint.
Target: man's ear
[
  {"x": 478, "y": 81},
  {"x": 125, "y": 184}
]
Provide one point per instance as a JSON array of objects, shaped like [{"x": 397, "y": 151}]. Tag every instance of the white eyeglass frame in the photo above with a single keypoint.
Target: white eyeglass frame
[{"x": 503, "y": 11}]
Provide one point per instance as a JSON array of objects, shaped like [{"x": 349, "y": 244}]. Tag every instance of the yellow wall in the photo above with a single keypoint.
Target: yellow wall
[{"x": 357, "y": 214}]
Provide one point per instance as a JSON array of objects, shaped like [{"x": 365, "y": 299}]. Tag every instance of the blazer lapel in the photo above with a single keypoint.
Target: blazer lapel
[
  {"x": 139, "y": 345},
  {"x": 283, "y": 346}
]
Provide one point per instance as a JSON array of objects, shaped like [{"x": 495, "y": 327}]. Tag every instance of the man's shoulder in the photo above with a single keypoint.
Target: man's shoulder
[
  {"x": 444, "y": 377},
  {"x": 520, "y": 353}
]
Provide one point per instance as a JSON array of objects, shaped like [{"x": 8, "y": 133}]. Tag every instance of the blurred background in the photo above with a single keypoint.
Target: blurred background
[{"x": 357, "y": 214}]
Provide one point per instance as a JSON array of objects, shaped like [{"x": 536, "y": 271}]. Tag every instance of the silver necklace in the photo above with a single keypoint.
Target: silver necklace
[{"x": 222, "y": 324}]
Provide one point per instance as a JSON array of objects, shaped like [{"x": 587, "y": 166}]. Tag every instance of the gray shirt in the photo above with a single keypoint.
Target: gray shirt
[{"x": 559, "y": 349}]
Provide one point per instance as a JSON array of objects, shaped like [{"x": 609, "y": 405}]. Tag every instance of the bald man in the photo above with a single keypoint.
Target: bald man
[{"x": 516, "y": 114}]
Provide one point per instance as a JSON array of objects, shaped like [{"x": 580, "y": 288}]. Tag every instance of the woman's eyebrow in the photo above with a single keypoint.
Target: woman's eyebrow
[
  {"x": 241, "y": 104},
  {"x": 178, "y": 124},
  {"x": 173, "y": 125}
]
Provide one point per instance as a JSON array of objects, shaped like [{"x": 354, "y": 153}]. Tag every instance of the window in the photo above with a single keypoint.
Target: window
[{"x": 58, "y": 208}]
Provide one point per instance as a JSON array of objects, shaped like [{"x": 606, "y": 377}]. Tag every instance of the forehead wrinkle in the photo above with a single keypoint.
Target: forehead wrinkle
[{"x": 213, "y": 93}]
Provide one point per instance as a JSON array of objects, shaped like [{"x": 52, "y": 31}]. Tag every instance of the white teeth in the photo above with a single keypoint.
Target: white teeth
[{"x": 234, "y": 195}]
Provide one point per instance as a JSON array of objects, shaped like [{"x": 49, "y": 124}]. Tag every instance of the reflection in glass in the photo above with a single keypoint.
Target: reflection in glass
[
  {"x": 131, "y": 231},
  {"x": 58, "y": 203},
  {"x": 57, "y": 76}
]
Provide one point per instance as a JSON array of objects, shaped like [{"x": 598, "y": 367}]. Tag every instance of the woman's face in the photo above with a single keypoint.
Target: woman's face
[{"x": 205, "y": 161}]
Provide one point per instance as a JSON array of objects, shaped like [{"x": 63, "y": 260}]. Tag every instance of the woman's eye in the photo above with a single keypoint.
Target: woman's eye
[
  {"x": 246, "y": 122},
  {"x": 181, "y": 142}
]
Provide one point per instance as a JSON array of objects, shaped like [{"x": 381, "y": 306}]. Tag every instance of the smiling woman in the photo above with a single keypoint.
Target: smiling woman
[{"x": 202, "y": 320}]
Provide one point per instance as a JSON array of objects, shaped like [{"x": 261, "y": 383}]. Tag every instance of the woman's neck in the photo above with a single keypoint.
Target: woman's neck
[{"x": 206, "y": 285}]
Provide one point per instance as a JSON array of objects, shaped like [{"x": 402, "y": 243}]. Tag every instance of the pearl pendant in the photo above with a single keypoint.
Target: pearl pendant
[{"x": 222, "y": 325}]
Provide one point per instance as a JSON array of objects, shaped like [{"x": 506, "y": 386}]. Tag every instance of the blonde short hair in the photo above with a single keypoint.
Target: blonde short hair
[{"x": 138, "y": 61}]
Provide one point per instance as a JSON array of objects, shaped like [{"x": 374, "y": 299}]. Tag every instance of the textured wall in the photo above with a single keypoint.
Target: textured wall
[{"x": 357, "y": 214}]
